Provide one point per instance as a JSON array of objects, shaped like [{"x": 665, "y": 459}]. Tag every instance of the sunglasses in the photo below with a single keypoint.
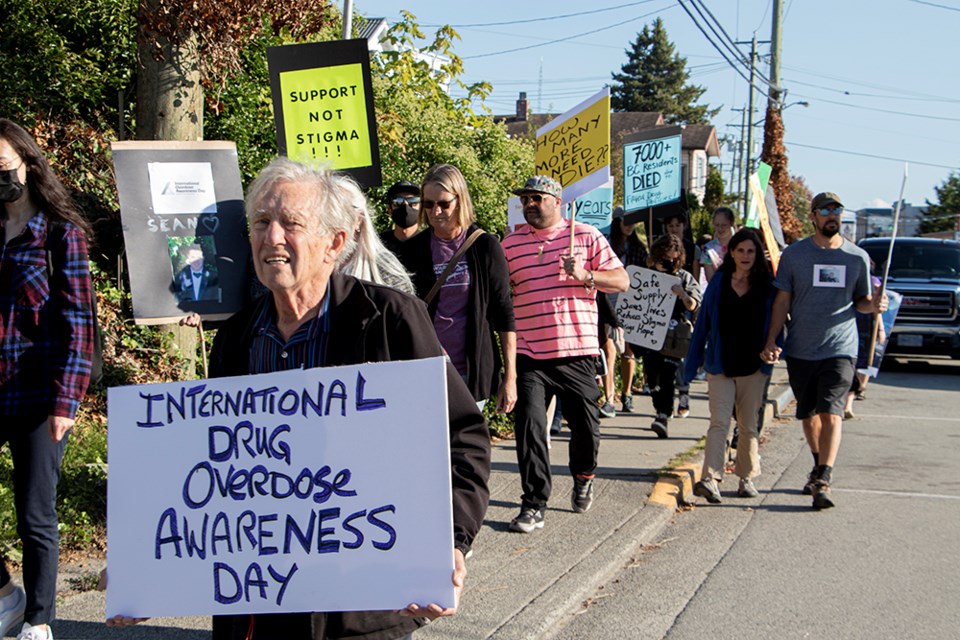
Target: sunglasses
[
  {"x": 830, "y": 211},
  {"x": 536, "y": 198},
  {"x": 401, "y": 200},
  {"x": 443, "y": 204}
]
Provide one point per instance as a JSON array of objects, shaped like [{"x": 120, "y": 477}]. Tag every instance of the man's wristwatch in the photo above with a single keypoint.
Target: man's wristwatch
[{"x": 590, "y": 285}]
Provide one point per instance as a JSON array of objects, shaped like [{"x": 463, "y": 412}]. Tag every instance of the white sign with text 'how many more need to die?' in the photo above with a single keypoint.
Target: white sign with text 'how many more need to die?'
[{"x": 305, "y": 490}]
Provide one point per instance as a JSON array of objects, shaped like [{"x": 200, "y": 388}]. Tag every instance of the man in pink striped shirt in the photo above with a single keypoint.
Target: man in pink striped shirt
[{"x": 555, "y": 304}]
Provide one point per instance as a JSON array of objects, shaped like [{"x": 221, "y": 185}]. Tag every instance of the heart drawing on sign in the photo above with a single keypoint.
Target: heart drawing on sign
[{"x": 211, "y": 223}]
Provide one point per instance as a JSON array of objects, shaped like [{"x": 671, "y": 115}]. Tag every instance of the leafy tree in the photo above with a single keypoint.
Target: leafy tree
[
  {"x": 799, "y": 225},
  {"x": 419, "y": 124},
  {"x": 943, "y": 215},
  {"x": 775, "y": 155},
  {"x": 655, "y": 79},
  {"x": 714, "y": 196}
]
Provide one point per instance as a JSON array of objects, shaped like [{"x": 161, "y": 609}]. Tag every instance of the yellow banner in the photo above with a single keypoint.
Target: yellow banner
[
  {"x": 576, "y": 145},
  {"x": 325, "y": 115}
]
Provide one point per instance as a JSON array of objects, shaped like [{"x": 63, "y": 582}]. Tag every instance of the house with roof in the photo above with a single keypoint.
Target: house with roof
[{"x": 699, "y": 142}]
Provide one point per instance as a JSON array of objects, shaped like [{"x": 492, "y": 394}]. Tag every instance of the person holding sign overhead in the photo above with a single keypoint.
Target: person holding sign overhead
[
  {"x": 302, "y": 223},
  {"x": 554, "y": 298},
  {"x": 47, "y": 350},
  {"x": 461, "y": 273},
  {"x": 667, "y": 256}
]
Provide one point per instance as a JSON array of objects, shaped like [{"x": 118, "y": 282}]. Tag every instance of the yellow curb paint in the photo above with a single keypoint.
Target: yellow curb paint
[{"x": 675, "y": 487}]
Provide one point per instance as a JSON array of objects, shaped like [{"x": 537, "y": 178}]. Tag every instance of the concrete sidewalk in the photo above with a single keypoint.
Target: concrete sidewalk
[{"x": 520, "y": 586}]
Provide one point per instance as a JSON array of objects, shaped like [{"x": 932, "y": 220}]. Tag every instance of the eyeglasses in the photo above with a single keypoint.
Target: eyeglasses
[
  {"x": 443, "y": 204},
  {"x": 536, "y": 198},
  {"x": 830, "y": 211},
  {"x": 413, "y": 201}
]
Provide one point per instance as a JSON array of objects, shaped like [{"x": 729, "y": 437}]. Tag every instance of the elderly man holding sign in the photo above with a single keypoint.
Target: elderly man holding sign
[
  {"x": 302, "y": 225},
  {"x": 555, "y": 305}
]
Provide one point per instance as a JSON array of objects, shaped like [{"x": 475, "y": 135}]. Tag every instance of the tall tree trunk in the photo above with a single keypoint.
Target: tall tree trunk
[
  {"x": 170, "y": 107},
  {"x": 775, "y": 155}
]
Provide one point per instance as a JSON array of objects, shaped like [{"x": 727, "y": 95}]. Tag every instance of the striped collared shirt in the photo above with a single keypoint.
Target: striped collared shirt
[{"x": 305, "y": 349}]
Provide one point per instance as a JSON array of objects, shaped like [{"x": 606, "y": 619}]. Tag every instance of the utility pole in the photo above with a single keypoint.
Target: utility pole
[
  {"x": 749, "y": 150},
  {"x": 776, "y": 43},
  {"x": 347, "y": 19}
]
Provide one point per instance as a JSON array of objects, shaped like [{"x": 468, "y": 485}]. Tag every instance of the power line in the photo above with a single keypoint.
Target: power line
[
  {"x": 870, "y": 155},
  {"x": 934, "y": 4},
  {"x": 819, "y": 74},
  {"x": 566, "y": 39},
  {"x": 874, "y": 95},
  {"x": 540, "y": 19},
  {"x": 877, "y": 109}
]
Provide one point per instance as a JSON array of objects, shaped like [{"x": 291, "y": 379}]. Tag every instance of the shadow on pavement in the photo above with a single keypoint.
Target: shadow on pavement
[{"x": 81, "y": 630}]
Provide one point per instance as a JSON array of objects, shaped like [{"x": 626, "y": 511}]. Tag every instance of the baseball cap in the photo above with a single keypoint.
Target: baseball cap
[
  {"x": 823, "y": 199},
  {"x": 540, "y": 184},
  {"x": 404, "y": 186}
]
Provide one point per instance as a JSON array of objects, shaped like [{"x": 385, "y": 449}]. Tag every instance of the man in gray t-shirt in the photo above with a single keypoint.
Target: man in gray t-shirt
[{"x": 822, "y": 280}]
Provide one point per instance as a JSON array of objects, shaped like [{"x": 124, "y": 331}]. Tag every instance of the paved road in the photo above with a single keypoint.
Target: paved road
[{"x": 883, "y": 564}]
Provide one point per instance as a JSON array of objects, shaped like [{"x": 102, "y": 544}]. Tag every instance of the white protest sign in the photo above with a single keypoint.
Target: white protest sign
[
  {"x": 182, "y": 188},
  {"x": 304, "y": 490},
  {"x": 647, "y": 306},
  {"x": 515, "y": 218},
  {"x": 651, "y": 168}
]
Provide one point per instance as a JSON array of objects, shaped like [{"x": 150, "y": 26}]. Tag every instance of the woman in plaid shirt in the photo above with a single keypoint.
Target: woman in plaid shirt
[{"x": 46, "y": 346}]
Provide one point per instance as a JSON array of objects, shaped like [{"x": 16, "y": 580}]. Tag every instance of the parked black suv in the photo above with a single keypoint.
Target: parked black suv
[{"x": 926, "y": 271}]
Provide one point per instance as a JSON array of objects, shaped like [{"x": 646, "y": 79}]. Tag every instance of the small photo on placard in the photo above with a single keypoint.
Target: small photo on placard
[{"x": 194, "y": 268}]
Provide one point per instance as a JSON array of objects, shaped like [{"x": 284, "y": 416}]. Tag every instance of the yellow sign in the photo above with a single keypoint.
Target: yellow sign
[
  {"x": 325, "y": 115},
  {"x": 576, "y": 145},
  {"x": 763, "y": 217}
]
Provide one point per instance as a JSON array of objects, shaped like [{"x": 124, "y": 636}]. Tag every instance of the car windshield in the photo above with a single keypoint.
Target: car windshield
[{"x": 916, "y": 260}]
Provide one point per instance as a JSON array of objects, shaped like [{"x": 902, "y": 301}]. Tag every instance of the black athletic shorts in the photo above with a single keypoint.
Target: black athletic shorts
[{"x": 820, "y": 386}]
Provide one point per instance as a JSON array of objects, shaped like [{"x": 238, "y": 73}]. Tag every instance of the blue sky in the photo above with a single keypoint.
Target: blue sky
[{"x": 880, "y": 76}]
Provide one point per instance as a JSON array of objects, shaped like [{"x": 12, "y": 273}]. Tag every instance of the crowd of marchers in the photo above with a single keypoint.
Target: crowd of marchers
[{"x": 524, "y": 320}]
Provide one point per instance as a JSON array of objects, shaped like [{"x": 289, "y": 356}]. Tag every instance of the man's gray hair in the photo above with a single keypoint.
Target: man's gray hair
[{"x": 329, "y": 204}]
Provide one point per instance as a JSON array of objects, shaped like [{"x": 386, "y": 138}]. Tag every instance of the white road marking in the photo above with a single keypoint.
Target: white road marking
[
  {"x": 903, "y": 494},
  {"x": 912, "y": 418}
]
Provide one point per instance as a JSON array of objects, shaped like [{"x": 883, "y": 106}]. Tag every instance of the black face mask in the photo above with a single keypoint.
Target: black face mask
[
  {"x": 404, "y": 217},
  {"x": 669, "y": 265},
  {"x": 10, "y": 186}
]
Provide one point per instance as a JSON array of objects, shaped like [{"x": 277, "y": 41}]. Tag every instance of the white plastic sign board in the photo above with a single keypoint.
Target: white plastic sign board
[
  {"x": 305, "y": 490},
  {"x": 646, "y": 307},
  {"x": 652, "y": 168}
]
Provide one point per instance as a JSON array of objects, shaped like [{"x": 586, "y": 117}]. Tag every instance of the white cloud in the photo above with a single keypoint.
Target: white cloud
[{"x": 877, "y": 203}]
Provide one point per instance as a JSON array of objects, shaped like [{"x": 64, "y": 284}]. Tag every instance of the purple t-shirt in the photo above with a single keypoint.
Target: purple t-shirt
[{"x": 450, "y": 320}]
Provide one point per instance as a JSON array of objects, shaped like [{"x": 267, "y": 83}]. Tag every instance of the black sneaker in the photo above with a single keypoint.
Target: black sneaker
[
  {"x": 627, "y": 401},
  {"x": 582, "y": 497},
  {"x": 659, "y": 425},
  {"x": 608, "y": 411},
  {"x": 683, "y": 406},
  {"x": 811, "y": 480},
  {"x": 821, "y": 495},
  {"x": 528, "y": 520}
]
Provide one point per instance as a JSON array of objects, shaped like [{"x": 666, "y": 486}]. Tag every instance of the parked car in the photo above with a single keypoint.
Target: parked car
[{"x": 926, "y": 271}]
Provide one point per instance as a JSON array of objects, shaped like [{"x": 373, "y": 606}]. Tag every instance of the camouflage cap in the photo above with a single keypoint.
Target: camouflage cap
[
  {"x": 540, "y": 184},
  {"x": 824, "y": 199}
]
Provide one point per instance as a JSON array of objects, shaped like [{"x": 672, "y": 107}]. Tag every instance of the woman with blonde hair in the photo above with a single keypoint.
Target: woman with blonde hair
[{"x": 461, "y": 273}]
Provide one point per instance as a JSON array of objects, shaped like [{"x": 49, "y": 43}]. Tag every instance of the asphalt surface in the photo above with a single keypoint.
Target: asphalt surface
[{"x": 520, "y": 585}]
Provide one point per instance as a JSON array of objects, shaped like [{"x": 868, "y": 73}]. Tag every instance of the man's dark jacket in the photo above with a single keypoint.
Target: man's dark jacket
[
  {"x": 490, "y": 306},
  {"x": 369, "y": 323}
]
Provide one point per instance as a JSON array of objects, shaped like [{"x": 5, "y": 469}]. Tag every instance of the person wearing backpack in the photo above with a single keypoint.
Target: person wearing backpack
[{"x": 46, "y": 352}]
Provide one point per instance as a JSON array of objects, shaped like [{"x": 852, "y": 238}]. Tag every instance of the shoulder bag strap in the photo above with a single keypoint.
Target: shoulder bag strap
[{"x": 435, "y": 289}]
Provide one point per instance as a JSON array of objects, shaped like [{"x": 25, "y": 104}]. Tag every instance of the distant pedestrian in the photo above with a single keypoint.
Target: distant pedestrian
[
  {"x": 403, "y": 204},
  {"x": 554, "y": 300},
  {"x": 676, "y": 223},
  {"x": 724, "y": 226},
  {"x": 631, "y": 250},
  {"x": 727, "y": 340},
  {"x": 667, "y": 256},
  {"x": 823, "y": 280}
]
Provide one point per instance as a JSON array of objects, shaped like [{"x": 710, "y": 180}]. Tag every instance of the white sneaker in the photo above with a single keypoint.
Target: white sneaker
[
  {"x": 11, "y": 610},
  {"x": 29, "y": 632}
]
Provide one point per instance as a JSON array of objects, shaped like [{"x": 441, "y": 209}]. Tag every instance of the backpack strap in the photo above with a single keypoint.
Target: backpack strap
[{"x": 435, "y": 289}]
